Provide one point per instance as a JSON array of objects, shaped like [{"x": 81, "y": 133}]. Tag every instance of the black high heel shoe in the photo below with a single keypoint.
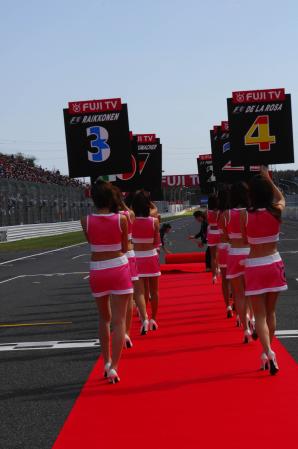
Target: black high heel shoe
[
  {"x": 127, "y": 342},
  {"x": 273, "y": 366}
]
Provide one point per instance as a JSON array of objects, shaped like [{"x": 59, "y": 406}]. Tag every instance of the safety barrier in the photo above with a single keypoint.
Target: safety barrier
[{"x": 13, "y": 233}]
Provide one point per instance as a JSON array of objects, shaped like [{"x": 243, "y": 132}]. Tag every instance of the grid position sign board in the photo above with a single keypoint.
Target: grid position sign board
[
  {"x": 97, "y": 138},
  {"x": 149, "y": 151},
  {"x": 224, "y": 170},
  {"x": 129, "y": 181},
  {"x": 261, "y": 127},
  {"x": 206, "y": 173}
]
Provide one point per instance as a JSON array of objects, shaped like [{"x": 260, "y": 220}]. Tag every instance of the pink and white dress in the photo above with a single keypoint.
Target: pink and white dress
[
  {"x": 222, "y": 247},
  {"x": 112, "y": 276},
  {"x": 236, "y": 256},
  {"x": 143, "y": 231},
  {"x": 131, "y": 254},
  {"x": 263, "y": 274},
  {"x": 213, "y": 234}
]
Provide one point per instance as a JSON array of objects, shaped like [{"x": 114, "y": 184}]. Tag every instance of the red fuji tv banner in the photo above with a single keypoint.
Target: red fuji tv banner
[
  {"x": 180, "y": 181},
  {"x": 90, "y": 106}
]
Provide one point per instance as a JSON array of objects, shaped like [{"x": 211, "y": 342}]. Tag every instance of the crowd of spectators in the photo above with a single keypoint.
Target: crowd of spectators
[{"x": 24, "y": 169}]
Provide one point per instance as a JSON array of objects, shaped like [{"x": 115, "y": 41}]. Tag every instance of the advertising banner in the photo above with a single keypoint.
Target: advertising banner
[{"x": 180, "y": 181}]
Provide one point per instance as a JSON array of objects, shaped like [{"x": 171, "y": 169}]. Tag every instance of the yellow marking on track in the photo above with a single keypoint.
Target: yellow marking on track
[{"x": 49, "y": 323}]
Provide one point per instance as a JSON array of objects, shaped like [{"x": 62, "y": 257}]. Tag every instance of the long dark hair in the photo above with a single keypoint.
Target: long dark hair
[
  {"x": 213, "y": 202},
  {"x": 104, "y": 197},
  {"x": 141, "y": 204},
  {"x": 239, "y": 195},
  {"x": 261, "y": 195},
  {"x": 223, "y": 198}
]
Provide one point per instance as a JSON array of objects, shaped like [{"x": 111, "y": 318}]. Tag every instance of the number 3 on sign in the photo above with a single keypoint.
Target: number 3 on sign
[{"x": 259, "y": 134}]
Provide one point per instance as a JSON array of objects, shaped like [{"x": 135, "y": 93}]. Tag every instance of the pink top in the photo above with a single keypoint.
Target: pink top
[
  {"x": 220, "y": 225},
  {"x": 262, "y": 227},
  {"x": 143, "y": 230},
  {"x": 212, "y": 217},
  {"x": 233, "y": 224},
  {"x": 129, "y": 223},
  {"x": 104, "y": 232}
]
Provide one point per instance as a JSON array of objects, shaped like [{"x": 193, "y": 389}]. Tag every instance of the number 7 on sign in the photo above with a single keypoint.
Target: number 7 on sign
[{"x": 263, "y": 138}]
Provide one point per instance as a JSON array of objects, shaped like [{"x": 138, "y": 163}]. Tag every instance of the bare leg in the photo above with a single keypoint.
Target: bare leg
[
  {"x": 241, "y": 303},
  {"x": 225, "y": 285},
  {"x": 139, "y": 297},
  {"x": 213, "y": 253},
  {"x": 104, "y": 318},
  {"x": 146, "y": 290},
  {"x": 129, "y": 313},
  {"x": 153, "y": 287},
  {"x": 259, "y": 307},
  {"x": 271, "y": 299},
  {"x": 119, "y": 307}
]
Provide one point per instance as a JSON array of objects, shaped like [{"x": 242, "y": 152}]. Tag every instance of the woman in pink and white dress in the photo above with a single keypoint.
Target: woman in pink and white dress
[
  {"x": 223, "y": 247},
  {"x": 213, "y": 233},
  {"x": 110, "y": 278},
  {"x": 237, "y": 253},
  {"x": 145, "y": 237},
  {"x": 264, "y": 268},
  {"x": 130, "y": 216}
]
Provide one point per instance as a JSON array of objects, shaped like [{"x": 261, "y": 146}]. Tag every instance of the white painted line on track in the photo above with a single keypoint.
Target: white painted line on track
[
  {"x": 86, "y": 277},
  {"x": 62, "y": 344},
  {"x": 288, "y": 240},
  {"x": 12, "y": 279},
  {"x": 287, "y": 336},
  {"x": 80, "y": 255},
  {"x": 42, "y": 254},
  {"x": 287, "y": 332},
  {"x": 42, "y": 274},
  {"x": 288, "y": 252}
]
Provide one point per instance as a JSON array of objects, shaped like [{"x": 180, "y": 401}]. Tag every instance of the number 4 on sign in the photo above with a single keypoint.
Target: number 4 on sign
[{"x": 263, "y": 138}]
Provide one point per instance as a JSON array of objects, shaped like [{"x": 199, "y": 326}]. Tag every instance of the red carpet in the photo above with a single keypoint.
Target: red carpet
[
  {"x": 183, "y": 268},
  {"x": 190, "y": 385},
  {"x": 177, "y": 258}
]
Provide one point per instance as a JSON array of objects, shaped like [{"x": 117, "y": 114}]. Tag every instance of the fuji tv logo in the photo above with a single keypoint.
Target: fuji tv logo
[
  {"x": 91, "y": 106},
  {"x": 258, "y": 96}
]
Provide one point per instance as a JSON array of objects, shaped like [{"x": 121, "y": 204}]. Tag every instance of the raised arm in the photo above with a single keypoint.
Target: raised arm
[
  {"x": 124, "y": 229},
  {"x": 156, "y": 241},
  {"x": 279, "y": 199},
  {"x": 84, "y": 226}
]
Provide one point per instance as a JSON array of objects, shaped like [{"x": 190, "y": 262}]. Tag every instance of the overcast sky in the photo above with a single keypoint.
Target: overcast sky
[{"x": 174, "y": 63}]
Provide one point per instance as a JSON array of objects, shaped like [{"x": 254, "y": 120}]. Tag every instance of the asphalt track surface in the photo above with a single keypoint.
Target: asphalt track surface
[{"x": 48, "y": 333}]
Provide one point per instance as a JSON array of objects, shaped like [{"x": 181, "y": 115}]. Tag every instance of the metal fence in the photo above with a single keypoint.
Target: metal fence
[{"x": 26, "y": 203}]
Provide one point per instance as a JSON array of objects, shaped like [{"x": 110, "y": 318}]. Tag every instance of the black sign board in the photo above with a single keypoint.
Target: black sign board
[
  {"x": 261, "y": 127},
  {"x": 206, "y": 173},
  {"x": 147, "y": 167},
  {"x": 97, "y": 142},
  {"x": 130, "y": 181},
  {"x": 149, "y": 152},
  {"x": 224, "y": 170}
]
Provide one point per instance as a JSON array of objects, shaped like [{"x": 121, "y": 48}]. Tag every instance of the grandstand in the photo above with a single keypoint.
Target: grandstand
[{"x": 31, "y": 194}]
